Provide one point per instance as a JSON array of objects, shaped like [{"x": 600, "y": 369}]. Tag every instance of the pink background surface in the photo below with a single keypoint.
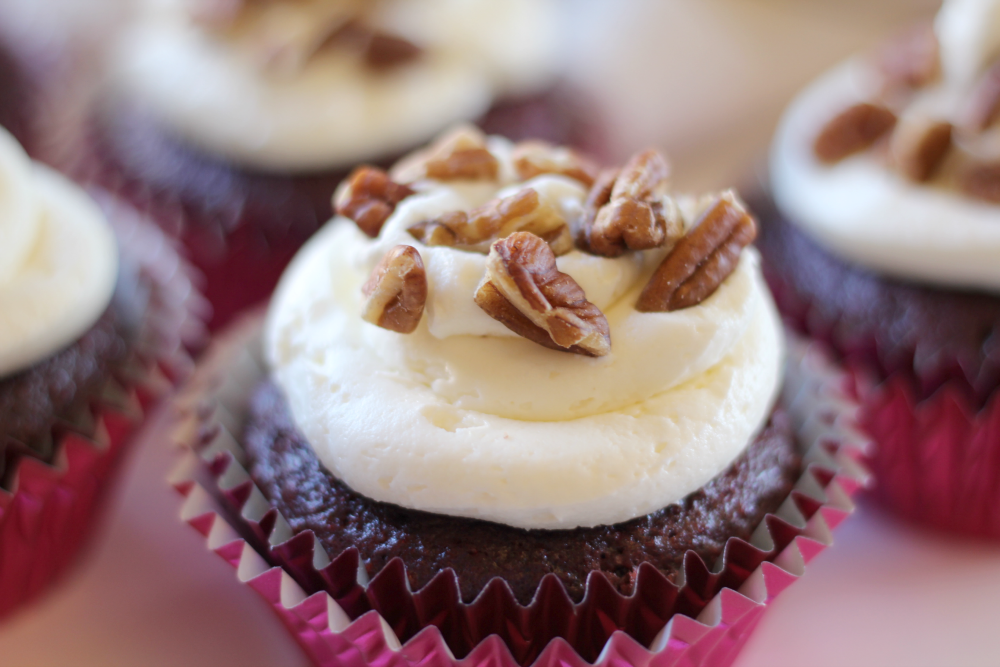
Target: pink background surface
[{"x": 150, "y": 594}]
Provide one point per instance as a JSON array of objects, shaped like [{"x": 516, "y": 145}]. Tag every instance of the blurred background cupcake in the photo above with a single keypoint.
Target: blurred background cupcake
[
  {"x": 886, "y": 244},
  {"x": 97, "y": 315},
  {"x": 233, "y": 122}
]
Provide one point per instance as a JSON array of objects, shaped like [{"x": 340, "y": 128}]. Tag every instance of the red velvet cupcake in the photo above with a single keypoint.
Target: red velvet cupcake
[
  {"x": 512, "y": 407},
  {"x": 885, "y": 243},
  {"x": 233, "y": 122},
  {"x": 97, "y": 314}
]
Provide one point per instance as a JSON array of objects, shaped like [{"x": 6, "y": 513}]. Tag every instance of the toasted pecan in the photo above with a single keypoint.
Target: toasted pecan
[
  {"x": 702, "y": 259},
  {"x": 534, "y": 158},
  {"x": 524, "y": 290},
  {"x": 368, "y": 197},
  {"x": 396, "y": 292},
  {"x": 855, "y": 129},
  {"x": 919, "y": 146},
  {"x": 459, "y": 154}
]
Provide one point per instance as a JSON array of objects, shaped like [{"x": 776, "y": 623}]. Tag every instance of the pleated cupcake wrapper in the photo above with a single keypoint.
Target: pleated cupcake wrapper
[
  {"x": 341, "y": 618},
  {"x": 936, "y": 458},
  {"x": 52, "y": 509}
]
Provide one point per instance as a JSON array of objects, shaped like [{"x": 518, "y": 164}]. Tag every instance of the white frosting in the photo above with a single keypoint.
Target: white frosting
[
  {"x": 869, "y": 214},
  {"x": 464, "y": 417},
  {"x": 58, "y": 260},
  {"x": 334, "y": 111}
]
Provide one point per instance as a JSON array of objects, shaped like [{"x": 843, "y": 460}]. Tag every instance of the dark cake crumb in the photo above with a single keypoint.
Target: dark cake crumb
[{"x": 287, "y": 471}]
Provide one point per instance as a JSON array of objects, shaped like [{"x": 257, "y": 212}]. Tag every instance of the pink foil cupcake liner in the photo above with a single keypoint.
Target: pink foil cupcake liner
[
  {"x": 936, "y": 458},
  {"x": 341, "y": 618},
  {"x": 51, "y": 510}
]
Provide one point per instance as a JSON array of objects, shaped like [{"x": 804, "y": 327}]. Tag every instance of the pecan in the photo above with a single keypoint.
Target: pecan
[
  {"x": 477, "y": 229},
  {"x": 525, "y": 291},
  {"x": 368, "y": 197},
  {"x": 855, "y": 129},
  {"x": 631, "y": 210},
  {"x": 984, "y": 106},
  {"x": 701, "y": 260},
  {"x": 460, "y": 154},
  {"x": 911, "y": 59},
  {"x": 982, "y": 181},
  {"x": 534, "y": 158},
  {"x": 396, "y": 292},
  {"x": 919, "y": 146},
  {"x": 385, "y": 50}
]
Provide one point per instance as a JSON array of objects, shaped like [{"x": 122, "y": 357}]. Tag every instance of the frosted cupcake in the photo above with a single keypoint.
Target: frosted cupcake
[
  {"x": 246, "y": 114},
  {"x": 886, "y": 244},
  {"x": 507, "y": 393},
  {"x": 94, "y": 318}
]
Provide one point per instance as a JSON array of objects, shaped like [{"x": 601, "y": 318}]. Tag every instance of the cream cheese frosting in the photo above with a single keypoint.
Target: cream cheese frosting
[
  {"x": 58, "y": 260},
  {"x": 463, "y": 417},
  {"x": 212, "y": 91},
  {"x": 872, "y": 215}
]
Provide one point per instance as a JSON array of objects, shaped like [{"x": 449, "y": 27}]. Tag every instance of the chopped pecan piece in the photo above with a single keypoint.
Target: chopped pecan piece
[
  {"x": 982, "y": 181},
  {"x": 396, "y": 292},
  {"x": 460, "y": 154},
  {"x": 630, "y": 209},
  {"x": 534, "y": 158},
  {"x": 911, "y": 59},
  {"x": 525, "y": 291},
  {"x": 855, "y": 129},
  {"x": 984, "y": 107},
  {"x": 700, "y": 261},
  {"x": 477, "y": 229},
  {"x": 385, "y": 50},
  {"x": 368, "y": 197},
  {"x": 919, "y": 145}
]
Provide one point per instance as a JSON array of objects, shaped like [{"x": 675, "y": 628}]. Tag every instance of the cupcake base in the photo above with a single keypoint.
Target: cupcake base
[
  {"x": 241, "y": 226},
  {"x": 342, "y": 618},
  {"x": 926, "y": 364},
  {"x": 62, "y": 453}
]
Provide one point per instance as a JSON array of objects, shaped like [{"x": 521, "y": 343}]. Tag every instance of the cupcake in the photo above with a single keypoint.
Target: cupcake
[
  {"x": 885, "y": 243},
  {"x": 507, "y": 393},
  {"x": 96, "y": 312},
  {"x": 235, "y": 121}
]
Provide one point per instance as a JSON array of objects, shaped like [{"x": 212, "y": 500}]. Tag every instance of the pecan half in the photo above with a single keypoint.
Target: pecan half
[
  {"x": 700, "y": 261},
  {"x": 534, "y": 158},
  {"x": 982, "y": 181},
  {"x": 631, "y": 210},
  {"x": 396, "y": 292},
  {"x": 984, "y": 106},
  {"x": 368, "y": 197},
  {"x": 525, "y": 291},
  {"x": 910, "y": 59},
  {"x": 855, "y": 129},
  {"x": 460, "y": 154},
  {"x": 477, "y": 229},
  {"x": 385, "y": 50},
  {"x": 919, "y": 146}
]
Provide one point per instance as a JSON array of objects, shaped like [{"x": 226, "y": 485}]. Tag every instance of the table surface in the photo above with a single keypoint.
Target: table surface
[{"x": 150, "y": 594}]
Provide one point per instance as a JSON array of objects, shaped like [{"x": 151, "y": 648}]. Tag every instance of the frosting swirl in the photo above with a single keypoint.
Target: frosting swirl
[
  {"x": 464, "y": 417},
  {"x": 209, "y": 87},
  {"x": 873, "y": 215},
  {"x": 58, "y": 260}
]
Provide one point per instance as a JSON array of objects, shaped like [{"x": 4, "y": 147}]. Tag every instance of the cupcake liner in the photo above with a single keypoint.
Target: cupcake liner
[
  {"x": 341, "y": 618},
  {"x": 50, "y": 510},
  {"x": 936, "y": 454}
]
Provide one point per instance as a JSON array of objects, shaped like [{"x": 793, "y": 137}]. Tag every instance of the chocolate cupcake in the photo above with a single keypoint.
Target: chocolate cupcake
[
  {"x": 509, "y": 393},
  {"x": 885, "y": 243},
  {"x": 95, "y": 319},
  {"x": 235, "y": 121}
]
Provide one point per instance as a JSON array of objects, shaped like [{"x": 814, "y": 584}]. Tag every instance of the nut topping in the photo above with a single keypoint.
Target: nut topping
[
  {"x": 458, "y": 155},
  {"x": 396, "y": 291},
  {"x": 700, "y": 261},
  {"x": 911, "y": 59},
  {"x": 919, "y": 145},
  {"x": 984, "y": 109},
  {"x": 368, "y": 197},
  {"x": 385, "y": 50},
  {"x": 524, "y": 290},
  {"x": 854, "y": 130},
  {"x": 630, "y": 210},
  {"x": 476, "y": 229},
  {"x": 534, "y": 158},
  {"x": 982, "y": 181}
]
